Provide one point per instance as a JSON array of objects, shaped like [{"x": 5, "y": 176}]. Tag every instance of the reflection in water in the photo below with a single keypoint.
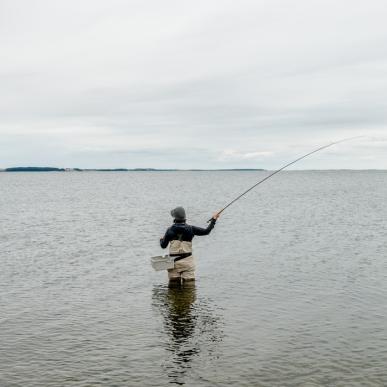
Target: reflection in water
[{"x": 190, "y": 325}]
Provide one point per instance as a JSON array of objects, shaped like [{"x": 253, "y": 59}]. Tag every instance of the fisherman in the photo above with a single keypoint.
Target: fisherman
[{"x": 179, "y": 236}]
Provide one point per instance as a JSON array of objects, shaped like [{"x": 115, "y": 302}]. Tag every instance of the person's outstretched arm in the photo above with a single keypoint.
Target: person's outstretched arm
[{"x": 206, "y": 231}]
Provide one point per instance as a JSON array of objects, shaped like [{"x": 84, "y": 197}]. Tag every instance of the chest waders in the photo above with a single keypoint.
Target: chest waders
[
  {"x": 179, "y": 248},
  {"x": 184, "y": 267}
]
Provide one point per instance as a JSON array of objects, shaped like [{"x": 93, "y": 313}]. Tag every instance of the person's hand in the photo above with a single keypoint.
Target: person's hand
[{"x": 216, "y": 215}]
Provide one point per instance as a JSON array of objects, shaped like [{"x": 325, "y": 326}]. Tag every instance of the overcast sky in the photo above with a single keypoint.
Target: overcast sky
[{"x": 192, "y": 83}]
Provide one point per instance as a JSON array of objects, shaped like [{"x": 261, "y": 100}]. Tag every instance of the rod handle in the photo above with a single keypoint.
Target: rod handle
[{"x": 218, "y": 213}]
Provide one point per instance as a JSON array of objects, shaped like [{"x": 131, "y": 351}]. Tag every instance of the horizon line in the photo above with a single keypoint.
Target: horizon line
[{"x": 76, "y": 169}]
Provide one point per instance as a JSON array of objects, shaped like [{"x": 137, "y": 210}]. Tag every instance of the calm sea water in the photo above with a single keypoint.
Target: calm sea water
[{"x": 291, "y": 286}]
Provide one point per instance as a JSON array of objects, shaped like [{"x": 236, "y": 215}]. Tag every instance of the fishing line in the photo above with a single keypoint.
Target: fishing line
[{"x": 282, "y": 168}]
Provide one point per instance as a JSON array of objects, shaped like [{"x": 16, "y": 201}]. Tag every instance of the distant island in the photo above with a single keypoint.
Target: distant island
[
  {"x": 33, "y": 169},
  {"x": 53, "y": 169}
]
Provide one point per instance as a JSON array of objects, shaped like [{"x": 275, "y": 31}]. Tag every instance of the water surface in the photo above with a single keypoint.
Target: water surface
[{"x": 291, "y": 285}]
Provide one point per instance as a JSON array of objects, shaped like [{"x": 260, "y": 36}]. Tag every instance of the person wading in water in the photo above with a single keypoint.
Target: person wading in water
[{"x": 179, "y": 237}]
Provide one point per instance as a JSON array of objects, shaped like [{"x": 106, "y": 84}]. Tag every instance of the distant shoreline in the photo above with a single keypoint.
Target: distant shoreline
[{"x": 53, "y": 169}]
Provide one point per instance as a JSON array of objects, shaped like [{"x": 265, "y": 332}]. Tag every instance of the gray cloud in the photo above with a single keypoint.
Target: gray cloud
[{"x": 191, "y": 84}]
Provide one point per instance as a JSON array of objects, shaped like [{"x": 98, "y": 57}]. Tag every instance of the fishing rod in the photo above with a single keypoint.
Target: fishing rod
[{"x": 279, "y": 170}]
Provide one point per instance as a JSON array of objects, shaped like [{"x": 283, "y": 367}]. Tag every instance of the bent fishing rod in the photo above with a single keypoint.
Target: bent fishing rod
[{"x": 282, "y": 168}]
